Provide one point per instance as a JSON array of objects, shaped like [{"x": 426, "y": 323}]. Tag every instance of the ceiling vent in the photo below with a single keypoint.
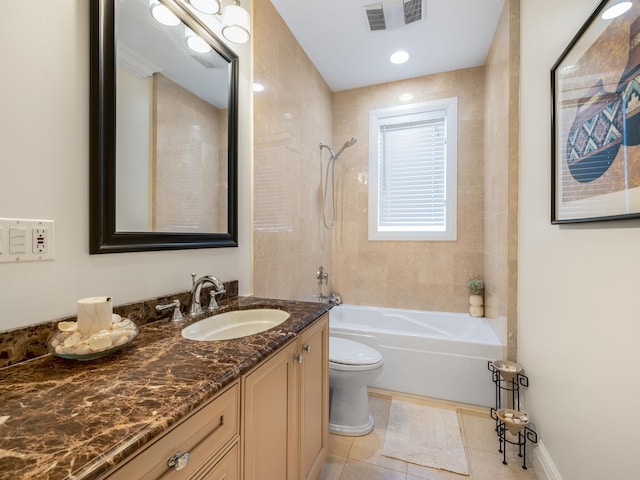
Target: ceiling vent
[
  {"x": 412, "y": 11},
  {"x": 392, "y": 14},
  {"x": 375, "y": 17}
]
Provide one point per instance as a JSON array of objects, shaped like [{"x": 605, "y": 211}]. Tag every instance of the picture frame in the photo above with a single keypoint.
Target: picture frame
[{"x": 595, "y": 120}]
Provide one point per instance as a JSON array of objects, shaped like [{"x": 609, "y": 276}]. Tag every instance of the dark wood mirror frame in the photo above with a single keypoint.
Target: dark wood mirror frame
[{"x": 104, "y": 238}]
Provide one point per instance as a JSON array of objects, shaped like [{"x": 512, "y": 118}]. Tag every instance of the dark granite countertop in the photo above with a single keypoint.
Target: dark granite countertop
[{"x": 66, "y": 419}]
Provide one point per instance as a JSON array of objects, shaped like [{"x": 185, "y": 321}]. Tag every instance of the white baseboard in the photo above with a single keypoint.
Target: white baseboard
[{"x": 543, "y": 464}]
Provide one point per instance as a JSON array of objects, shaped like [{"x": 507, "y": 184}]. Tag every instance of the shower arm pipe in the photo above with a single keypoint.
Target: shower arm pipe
[{"x": 322, "y": 145}]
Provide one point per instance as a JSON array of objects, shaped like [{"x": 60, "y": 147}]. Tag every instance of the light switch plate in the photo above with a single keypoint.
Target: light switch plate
[{"x": 26, "y": 240}]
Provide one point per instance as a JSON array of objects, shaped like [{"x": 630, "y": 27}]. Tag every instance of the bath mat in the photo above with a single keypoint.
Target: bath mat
[{"x": 425, "y": 436}]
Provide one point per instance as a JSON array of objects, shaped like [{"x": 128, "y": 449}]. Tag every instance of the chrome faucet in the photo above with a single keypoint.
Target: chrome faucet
[
  {"x": 218, "y": 288},
  {"x": 334, "y": 298}
]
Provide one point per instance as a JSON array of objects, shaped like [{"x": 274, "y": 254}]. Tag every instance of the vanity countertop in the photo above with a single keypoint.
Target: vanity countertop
[{"x": 66, "y": 419}]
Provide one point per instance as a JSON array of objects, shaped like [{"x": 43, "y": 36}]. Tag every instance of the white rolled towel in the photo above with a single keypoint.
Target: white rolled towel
[{"x": 94, "y": 314}]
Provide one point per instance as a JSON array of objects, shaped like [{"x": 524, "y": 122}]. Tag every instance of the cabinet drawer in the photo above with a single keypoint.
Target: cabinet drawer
[
  {"x": 201, "y": 435},
  {"x": 228, "y": 468}
]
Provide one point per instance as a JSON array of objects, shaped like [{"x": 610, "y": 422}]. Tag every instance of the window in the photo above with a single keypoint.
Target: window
[{"x": 412, "y": 171}]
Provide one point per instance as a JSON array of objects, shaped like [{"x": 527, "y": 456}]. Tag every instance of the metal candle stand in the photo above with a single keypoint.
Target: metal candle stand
[{"x": 508, "y": 378}]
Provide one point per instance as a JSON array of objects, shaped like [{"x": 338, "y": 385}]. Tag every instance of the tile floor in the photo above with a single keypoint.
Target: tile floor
[{"x": 359, "y": 458}]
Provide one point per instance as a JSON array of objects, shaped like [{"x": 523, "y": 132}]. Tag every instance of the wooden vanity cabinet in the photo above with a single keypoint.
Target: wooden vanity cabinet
[
  {"x": 284, "y": 413},
  {"x": 285, "y": 410},
  {"x": 210, "y": 438}
]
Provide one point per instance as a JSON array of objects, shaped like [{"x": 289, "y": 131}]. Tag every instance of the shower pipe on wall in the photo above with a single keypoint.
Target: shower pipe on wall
[{"x": 334, "y": 156}]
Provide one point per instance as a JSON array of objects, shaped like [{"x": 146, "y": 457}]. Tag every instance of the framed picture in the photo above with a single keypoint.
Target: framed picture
[{"x": 595, "y": 87}]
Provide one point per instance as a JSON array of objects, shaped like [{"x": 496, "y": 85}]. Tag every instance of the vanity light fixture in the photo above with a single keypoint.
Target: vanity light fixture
[
  {"x": 258, "y": 87},
  {"x": 616, "y": 10},
  {"x": 208, "y": 7},
  {"x": 195, "y": 42},
  {"x": 399, "y": 57},
  {"x": 162, "y": 14},
  {"x": 236, "y": 23}
]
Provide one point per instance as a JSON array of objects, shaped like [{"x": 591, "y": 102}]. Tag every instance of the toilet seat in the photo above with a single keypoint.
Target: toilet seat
[{"x": 348, "y": 355}]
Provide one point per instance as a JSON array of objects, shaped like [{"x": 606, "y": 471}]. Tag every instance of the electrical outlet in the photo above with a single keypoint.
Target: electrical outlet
[
  {"x": 26, "y": 240},
  {"x": 40, "y": 241}
]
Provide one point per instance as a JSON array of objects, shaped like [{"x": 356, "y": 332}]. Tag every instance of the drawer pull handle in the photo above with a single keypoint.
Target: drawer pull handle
[
  {"x": 306, "y": 348},
  {"x": 298, "y": 357},
  {"x": 178, "y": 460},
  {"x": 220, "y": 423}
]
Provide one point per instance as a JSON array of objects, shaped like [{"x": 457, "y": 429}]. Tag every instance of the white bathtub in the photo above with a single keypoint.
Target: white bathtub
[{"x": 440, "y": 355}]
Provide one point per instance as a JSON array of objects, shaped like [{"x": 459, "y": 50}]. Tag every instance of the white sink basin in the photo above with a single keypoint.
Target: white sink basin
[{"x": 235, "y": 324}]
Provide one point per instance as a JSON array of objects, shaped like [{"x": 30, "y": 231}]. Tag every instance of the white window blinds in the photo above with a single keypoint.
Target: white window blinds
[
  {"x": 412, "y": 172},
  {"x": 413, "y": 175}
]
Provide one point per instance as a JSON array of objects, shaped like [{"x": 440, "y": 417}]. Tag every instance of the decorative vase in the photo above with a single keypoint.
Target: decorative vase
[{"x": 476, "y": 305}]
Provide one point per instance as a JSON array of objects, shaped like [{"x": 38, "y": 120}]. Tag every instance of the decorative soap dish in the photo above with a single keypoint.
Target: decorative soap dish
[
  {"x": 69, "y": 343},
  {"x": 514, "y": 420},
  {"x": 506, "y": 368}
]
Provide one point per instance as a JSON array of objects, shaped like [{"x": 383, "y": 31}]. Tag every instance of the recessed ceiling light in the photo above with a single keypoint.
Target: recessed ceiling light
[
  {"x": 258, "y": 87},
  {"x": 616, "y": 10},
  {"x": 162, "y": 14},
  {"x": 399, "y": 57},
  {"x": 406, "y": 97}
]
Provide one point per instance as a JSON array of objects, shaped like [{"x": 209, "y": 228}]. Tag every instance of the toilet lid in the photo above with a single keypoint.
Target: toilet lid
[{"x": 349, "y": 352}]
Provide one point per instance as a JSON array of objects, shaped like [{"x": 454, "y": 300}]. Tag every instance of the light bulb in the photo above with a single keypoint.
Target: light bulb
[
  {"x": 162, "y": 14},
  {"x": 195, "y": 41},
  {"x": 236, "y": 24},
  {"x": 209, "y": 7}
]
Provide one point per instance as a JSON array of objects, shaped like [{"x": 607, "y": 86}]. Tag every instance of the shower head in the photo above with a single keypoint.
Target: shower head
[
  {"x": 334, "y": 156},
  {"x": 347, "y": 144}
]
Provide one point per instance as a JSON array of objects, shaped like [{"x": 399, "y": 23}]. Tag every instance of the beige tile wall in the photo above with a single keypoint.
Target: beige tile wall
[
  {"x": 297, "y": 111},
  {"x": 189, "y": 182},
  {"x": 291, "y": 117},
  {"x": 416, "y": 275},
  {"x": 501, "y": 173}
]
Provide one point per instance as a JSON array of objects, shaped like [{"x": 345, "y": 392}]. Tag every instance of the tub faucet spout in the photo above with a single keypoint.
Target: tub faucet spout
[{"x": 195, "y": 308}]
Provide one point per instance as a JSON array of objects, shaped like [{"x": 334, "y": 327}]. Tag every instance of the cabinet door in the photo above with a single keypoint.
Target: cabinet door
[
  {"x": 314, "y": 398},
  {"x": 270, "y": 418}
]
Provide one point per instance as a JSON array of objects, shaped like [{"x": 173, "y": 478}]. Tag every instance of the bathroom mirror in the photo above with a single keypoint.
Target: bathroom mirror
[{"x": 163, "y": 145}]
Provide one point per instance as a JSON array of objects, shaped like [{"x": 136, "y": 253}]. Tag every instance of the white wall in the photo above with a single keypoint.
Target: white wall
[
  {"x": 44, "y": 159},
  {"x": 134, "y": 104},
  {"x": 579, "y": 317}
]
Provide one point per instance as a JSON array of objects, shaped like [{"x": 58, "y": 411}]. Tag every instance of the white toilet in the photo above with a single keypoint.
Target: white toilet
[{"x": 352, "y": 366}]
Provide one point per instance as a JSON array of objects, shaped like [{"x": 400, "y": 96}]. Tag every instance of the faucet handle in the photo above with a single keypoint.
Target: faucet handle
[
  {"x": 177, "y": 314},
  {"x": 213, "y": 304},
  {"x": 193, "y": 279}
]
